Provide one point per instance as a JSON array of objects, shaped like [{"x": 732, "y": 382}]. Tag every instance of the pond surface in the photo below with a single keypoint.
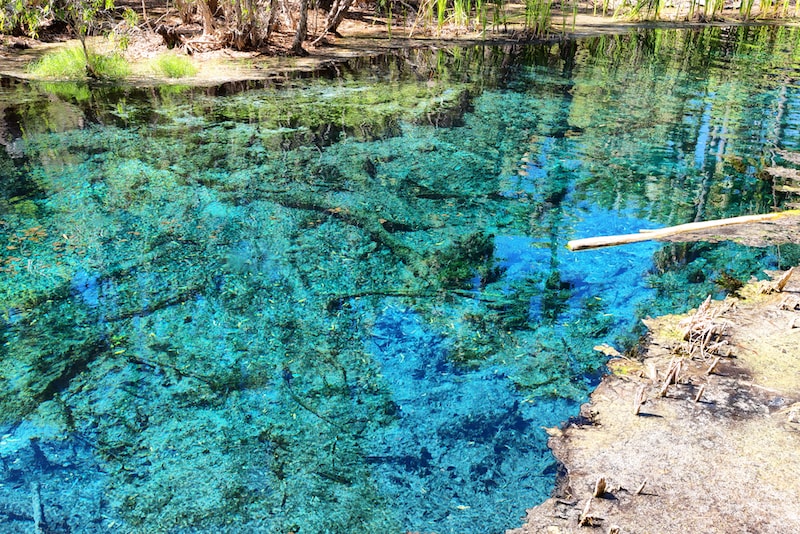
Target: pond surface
[{"x": 343, "y": 304}]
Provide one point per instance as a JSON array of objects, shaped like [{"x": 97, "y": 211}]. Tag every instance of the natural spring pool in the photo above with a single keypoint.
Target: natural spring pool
[{"x": 343, "y": 303}]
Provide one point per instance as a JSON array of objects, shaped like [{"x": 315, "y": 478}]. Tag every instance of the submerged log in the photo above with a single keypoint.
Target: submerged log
[
  {"x": 39, "y": 526},
  {"x": 647, "y": 235}
]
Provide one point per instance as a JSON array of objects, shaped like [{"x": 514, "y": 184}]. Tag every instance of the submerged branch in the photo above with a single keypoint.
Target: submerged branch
[
  {"x": 337, "y": 300},
  {"x": 493, "y": 301},
  {"x": 179, "y": 297},
  {"x": 375, "y": 226}
]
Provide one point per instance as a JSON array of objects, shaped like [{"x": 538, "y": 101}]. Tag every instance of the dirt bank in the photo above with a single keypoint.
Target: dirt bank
[{"x": 726, "y": 463}]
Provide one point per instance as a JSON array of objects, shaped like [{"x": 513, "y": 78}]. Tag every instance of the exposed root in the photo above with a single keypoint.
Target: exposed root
[{"x": 704, "y": 334}]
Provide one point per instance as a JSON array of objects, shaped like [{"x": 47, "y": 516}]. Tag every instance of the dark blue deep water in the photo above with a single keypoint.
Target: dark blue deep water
[{"x": 343, "y": 303}]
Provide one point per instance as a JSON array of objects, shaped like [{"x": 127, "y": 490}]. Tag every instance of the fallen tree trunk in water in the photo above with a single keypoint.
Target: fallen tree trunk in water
[{"x": 647, "y": 235}]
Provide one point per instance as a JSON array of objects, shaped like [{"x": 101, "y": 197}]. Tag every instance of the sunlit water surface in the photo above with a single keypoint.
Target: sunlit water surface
[{"x": 343, "y": 304}]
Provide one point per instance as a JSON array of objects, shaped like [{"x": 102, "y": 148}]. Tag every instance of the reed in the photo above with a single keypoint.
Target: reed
[
  {"x": 499, "y": 15},
  {"x": 716, "y": 8},
  {"x": 389, "y": 20},
  {"x": 645, "y": 9},
  {"x": 574, "y": 14},
  {"x": 461, "y": 12},
  {"x": 707, "y": 10},
  {"x": 480, "y": 16},
  {"x": 538, "y": 15},
  {"x": 746, "y": 8},
  {"x": 441, "y": 12},
  {"x": 458, "y": 14}
]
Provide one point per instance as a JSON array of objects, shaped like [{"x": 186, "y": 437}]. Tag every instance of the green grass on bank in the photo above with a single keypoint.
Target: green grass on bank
[
  {"x": 174, "y": 66},
  {"x": 70, "y": 63}
]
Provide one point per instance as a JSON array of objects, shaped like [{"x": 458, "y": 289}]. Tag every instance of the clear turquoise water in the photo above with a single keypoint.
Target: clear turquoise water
[{"x": 343, "y": 304}]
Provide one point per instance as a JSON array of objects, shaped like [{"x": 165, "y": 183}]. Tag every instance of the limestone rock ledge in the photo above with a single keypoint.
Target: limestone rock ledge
[{"x": 698, "y": 433}]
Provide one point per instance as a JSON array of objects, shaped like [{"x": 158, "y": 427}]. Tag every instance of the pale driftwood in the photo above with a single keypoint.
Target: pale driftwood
[
  {"x": 640, "y": 489},
  {"x": 781, "y": 283},
  {"x": 790, "y": 303},
  {"x": 600, "y": 487},
  {"x": 768, "y": 287},
  {"x": 639, "y": 400},
  {"x": 671, "y": 377},
  {"x": 788, "y": 155},
  {"x": 782, "y": 172},
  {"x": 585, "y": 518},
  {"x": 713, "y": 365},
  {"x": 608, "y": 350},
  {"x": 647, "y": 235},
  {"x": 651, "y": 371},
  {"x": 699, "y": 393}
]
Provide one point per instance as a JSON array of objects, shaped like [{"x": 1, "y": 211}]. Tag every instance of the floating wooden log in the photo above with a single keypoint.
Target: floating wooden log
[{"x": 647, "y": 235}]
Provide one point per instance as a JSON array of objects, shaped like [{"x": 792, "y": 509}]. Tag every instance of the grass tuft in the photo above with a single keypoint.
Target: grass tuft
[
  {"x": 66, "y": 63},
  {"x": 174, "y": 66},
  {"x": 70, "y": 63},
  {"x": 113, "y": 66}
]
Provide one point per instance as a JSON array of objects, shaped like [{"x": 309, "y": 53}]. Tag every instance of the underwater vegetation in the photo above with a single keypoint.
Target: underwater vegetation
[{"x": 344, "y": 304}]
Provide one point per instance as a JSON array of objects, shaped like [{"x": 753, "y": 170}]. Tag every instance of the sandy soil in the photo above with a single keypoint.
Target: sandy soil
[{"x": 726, "y": 463}]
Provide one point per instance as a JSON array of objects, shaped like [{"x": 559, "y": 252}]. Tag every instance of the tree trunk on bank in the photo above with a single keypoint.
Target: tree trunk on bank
[
  {"x": 335, "y": 17},
  {"x": 208, "y": 17},
  {"x": 273, "y": 19},
  {"x": 302, "y": 29},
  {"x": 90, "y": 70}
]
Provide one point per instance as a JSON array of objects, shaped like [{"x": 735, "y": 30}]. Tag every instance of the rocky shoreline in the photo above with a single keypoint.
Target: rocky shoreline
[{"x": 700, "y": 432}]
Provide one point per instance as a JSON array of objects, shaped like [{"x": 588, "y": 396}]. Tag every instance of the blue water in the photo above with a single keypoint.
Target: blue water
[{"x": 344, "y": 304}]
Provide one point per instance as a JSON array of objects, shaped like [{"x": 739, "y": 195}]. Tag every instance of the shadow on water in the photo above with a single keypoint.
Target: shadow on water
[{"x": 342, "y": 302}]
